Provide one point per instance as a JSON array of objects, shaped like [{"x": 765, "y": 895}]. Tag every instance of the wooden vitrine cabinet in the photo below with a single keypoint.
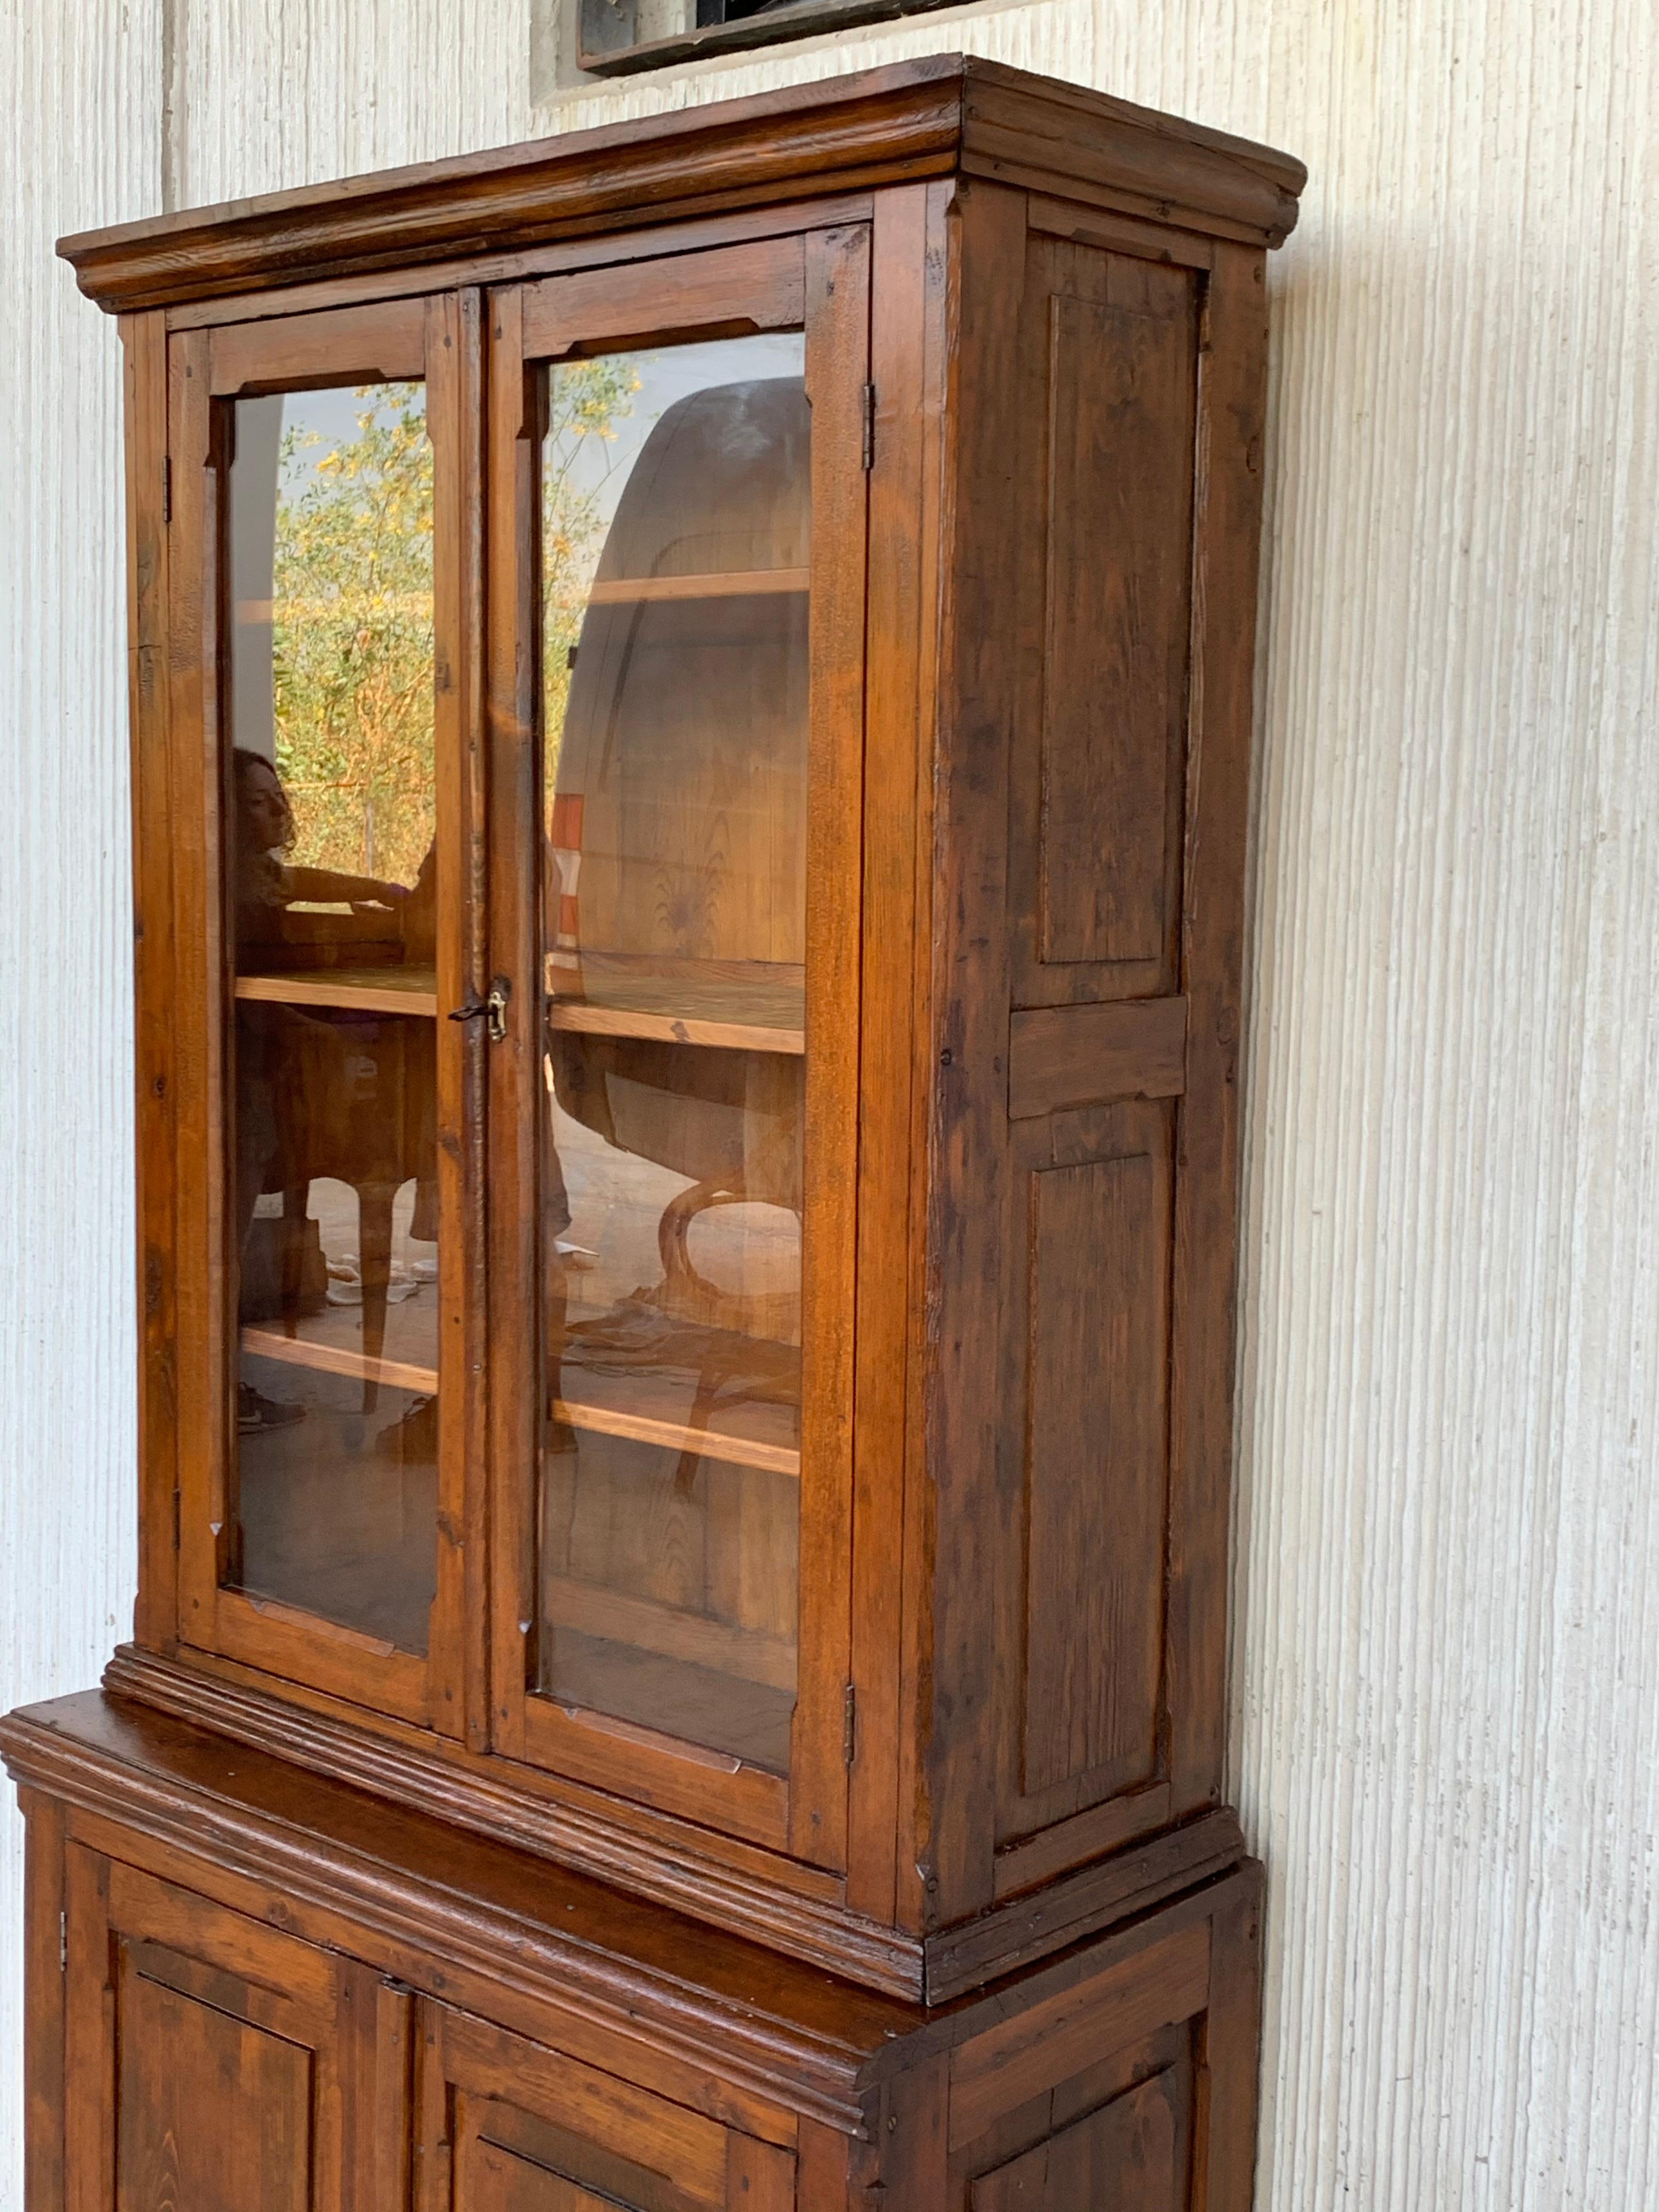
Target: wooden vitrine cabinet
[{"x": 692, "y": 701}]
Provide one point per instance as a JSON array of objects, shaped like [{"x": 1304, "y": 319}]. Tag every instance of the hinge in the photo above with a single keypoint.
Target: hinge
[
  {"x": 167, "y": 487},
  {"x": 849, "y": 1724},
  {"x": 869, "y": 426},
  {"x": 63, "y": 1943}
]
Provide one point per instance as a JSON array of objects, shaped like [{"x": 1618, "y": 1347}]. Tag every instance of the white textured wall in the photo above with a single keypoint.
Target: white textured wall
[
  {"x": 1447, "y": 1644},
  {"x": 79, "y": 118}
]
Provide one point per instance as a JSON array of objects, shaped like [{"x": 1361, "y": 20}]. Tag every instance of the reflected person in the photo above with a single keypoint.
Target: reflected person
[{"x": 276, "y": 1045}]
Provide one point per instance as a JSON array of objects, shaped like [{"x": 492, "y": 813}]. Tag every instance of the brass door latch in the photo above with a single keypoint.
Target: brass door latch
[{"x": 492, "y": 1009}]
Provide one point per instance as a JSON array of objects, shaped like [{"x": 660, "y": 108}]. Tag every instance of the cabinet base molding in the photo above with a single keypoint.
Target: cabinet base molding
[
  {"x": 284, "y": 1993},
  {"x": 759, "y": 1896}
]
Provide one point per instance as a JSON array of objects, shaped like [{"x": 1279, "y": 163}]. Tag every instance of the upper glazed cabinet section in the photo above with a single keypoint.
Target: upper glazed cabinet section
[
  {"x": 538, "y": 1113},
  {"x": 691, "y": 714}
]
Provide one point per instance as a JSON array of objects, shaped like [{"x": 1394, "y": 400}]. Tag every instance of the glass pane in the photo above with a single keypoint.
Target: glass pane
[
  {"x": 676, "y": 524},
  {"x": 332, "y": 881}
]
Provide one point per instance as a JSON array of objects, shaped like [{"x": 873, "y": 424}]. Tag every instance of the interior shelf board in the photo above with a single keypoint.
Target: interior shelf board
[
  {"x": 743, "y": 1006},
  {"x": 337, "y": 1359},
  {"x": 669, "y": 1631},
  {"x": 604, "y": 1420},
  {"x": 589, "y": 1019},
  {"x": 678, "y": 1436},
  {"x": 361, "y": 990},
  {"x": 712, "y": 584}
]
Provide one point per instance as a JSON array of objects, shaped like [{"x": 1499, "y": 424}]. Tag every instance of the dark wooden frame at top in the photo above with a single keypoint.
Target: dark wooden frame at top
[
  {"x": 923, "y": 1873},
  {"x": 607, "y": 44}
]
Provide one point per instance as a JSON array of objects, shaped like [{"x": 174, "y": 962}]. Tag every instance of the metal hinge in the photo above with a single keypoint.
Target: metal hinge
[
  {"x": 869, "y": 426},
  {"x": 849, "y": 1724},
  {"x": 167, "y": 489},
  {"x": 63, "y": 1943}
]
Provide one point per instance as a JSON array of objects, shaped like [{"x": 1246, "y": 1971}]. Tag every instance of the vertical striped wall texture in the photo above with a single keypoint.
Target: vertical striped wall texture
[
  {"x": 79, "y": 122},
  {"x": 1446, "y": 1644}
]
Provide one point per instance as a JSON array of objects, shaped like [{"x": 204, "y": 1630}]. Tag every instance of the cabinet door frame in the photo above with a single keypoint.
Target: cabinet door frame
[
  {"x": 469, "y": 2076},
  {"x": 123, "y": 1926},
  {"x": 817, "y": 280},
  {"x": 433, "y": 338}
]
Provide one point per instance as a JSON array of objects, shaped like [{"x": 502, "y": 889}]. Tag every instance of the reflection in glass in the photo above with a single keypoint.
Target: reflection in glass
[
  {"x": 332, "y": 883},
  {"x": 675, "y": 545}
]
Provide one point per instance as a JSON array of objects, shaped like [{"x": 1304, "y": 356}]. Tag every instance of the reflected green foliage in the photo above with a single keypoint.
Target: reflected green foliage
[
  {"x": 352, "y": 638},
  {"x": 584, "y": 399}
]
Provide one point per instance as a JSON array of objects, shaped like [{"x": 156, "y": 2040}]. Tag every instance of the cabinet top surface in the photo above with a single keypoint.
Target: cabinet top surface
[
  {"x": 940, "y": 115},
  {"x": 239, "y": 1806}
]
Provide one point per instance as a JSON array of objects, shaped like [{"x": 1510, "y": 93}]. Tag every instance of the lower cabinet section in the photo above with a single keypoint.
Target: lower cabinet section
[{"x": 250, "y": 1991}]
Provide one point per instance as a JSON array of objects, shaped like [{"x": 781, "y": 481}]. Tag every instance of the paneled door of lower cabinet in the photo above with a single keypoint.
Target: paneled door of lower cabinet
[
  {"x": 506, "y": 2125},
  {"x": 321, "y": 606},
  {"x": 213, "y": 2065},
  {"x": 677, "y": 510}
]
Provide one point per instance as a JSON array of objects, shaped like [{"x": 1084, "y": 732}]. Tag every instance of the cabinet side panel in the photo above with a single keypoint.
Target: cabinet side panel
[
  {"x": 1071, "y": 457},
  {"x": 1227, "y": 503},
  {"x": 1125, "y": 2154},
  {"x": 1125, "y": 2077},
  {"x": 1108, "y": 354},
  {"x": 1134, "y": 591},
  {"x": 1095, "y": 1463},
  {"x": 1120, "y": 391},
  {"x": 1230, "y": 2051},
  {"x": 1084, "y": 1563}
]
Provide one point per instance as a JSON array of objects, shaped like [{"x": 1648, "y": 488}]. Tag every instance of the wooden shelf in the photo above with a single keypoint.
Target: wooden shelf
[
  {"x": 667, "y": 1630},
  {"x": 589, "y": 1020},
  {"x": 677, "y": 1435},
  {"x": 738, "y": 1005},
  {"x": 580, "y": 1412},
  {"x": 713, "y": 584},
  {"x": 337, "y": 1359},
  {"x": 359, "y": 990}
]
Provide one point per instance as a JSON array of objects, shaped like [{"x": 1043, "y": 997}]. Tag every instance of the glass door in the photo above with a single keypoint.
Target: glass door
[
  {"x": 316, "y": 479},
  {"x": 684, "y": 443}
]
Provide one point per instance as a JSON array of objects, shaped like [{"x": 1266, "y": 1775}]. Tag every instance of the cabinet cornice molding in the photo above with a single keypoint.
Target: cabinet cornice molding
[{"x": 947, "y": 113}]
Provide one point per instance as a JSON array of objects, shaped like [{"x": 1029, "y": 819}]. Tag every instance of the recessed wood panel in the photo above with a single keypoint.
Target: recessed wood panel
[
  {"x": 490, "y": 2179},
  {"x": 215, "y": 2114},
  {"x": 1027, "y": 2054},
  {"x": 1106, "y": 433},
  {"x": 1096, "y": 1427},
  {"x": 1124, "y": 2156},
  {"x": 1120, "y": 477},
  {"x": 533, "y": 2129}
]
